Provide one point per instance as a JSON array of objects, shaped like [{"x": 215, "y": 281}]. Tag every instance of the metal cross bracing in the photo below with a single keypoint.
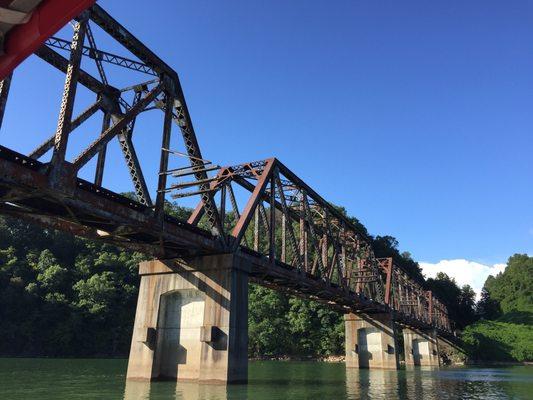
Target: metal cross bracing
[
  {"x": 296, "y": 241},
  {"x": 288, "y": 225},
  {"x": 56, "y": 195}
]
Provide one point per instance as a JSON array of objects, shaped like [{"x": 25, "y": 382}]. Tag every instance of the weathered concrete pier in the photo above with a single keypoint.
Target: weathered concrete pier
[
  {"x": 370, "y": 341},
  {"x": 192, "y": 320},
  {"x": 421, "y": 348}
]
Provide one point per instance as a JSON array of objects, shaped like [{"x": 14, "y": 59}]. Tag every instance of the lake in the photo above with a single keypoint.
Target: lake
[{"x": 45, "y": 379}]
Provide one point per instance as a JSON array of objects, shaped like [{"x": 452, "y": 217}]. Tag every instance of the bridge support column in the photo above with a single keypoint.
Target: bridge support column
[
  {"x": 191, "y": 322},
  {"x": 370, "y": 341},
  {"x": 420, "y": 348}
]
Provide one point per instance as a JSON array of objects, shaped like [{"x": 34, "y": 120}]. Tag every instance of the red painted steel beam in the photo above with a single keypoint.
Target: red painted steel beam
[
  {"x": 242, "y": 223},
  {"x": 388, "y": 282},
  {"x": 47, "y": 18},
  {"x": 430, "y": 300}
]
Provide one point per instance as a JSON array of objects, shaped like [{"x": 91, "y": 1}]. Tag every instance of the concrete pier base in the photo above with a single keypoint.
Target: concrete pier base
[
  {"x": 421, "y": 348},
  {"x": 191, "y": 322},
  {"x": 370, "y": 341}
]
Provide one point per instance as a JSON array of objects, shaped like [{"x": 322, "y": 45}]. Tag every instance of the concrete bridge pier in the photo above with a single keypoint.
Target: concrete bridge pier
[
  {"x": 421, "y": 348},
  {"x": 191, "y": 322},
  {"x": 370, "y": 341}
]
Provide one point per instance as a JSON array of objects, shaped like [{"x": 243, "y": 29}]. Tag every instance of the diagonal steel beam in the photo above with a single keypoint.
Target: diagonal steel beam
[
  {"x": 314, "y": 241},
  {"x": 289, "y": 228},
  {"x": 130, "y": 155},
  {"x": 61, "y": 63},
  {"x": 80, "y": 119},
  {"x": 94, "y": 51},
  {"x": 182, "y": 119},
  {"x": 100, "y": 163},
  {"x": 118, "y": 127},
  {"x": 235, "y": 209},
  {"x": 193, "y": 150},
  {"x": 240, "y": 228},
  {"x": 339, "y": 259},
  {"x": 113, "y": 28},
  {"x": 134, "y": 167}
]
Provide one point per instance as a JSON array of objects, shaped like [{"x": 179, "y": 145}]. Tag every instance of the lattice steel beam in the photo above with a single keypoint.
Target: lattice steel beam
[
  {"x": 67, "y": 102},
  {"x": 102, "y": 56}
]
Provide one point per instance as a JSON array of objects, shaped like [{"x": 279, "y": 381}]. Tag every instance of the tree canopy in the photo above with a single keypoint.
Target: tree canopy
[
  {"x": 65, "y": 296},
  {"x": 505, "y": 331}
]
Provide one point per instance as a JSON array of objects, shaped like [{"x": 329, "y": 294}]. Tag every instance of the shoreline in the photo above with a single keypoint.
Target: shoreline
[
  {"x": 341, "y": 358},
  {"x": 285, "y": 358}
]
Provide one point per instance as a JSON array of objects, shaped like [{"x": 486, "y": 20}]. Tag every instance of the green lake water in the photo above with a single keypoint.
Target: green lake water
[{"x": 45, "y": 379}]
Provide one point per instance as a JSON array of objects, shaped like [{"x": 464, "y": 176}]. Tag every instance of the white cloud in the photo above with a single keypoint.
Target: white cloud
[{"x": 465, "y": 272}]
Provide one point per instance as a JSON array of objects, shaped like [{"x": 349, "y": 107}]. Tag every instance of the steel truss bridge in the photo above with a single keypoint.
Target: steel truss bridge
[{"x": 296, "y": 240}]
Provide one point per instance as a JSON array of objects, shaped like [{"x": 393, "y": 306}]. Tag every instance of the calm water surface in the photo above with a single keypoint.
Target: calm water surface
[{"x": 105, "y": 379}]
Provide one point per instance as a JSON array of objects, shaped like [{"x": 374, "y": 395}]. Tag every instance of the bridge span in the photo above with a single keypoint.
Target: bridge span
[{"x": 256, "y": 221}]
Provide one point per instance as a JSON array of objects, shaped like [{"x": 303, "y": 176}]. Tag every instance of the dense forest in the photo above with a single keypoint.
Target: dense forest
[
  {"x": 65, "y": 296},
  {"x": 504, "y": 331}
]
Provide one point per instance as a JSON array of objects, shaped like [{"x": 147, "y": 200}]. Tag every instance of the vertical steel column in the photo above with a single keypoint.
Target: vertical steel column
[
  {"x": 100, "y": 164},
  {"x": 430, "y": 305},
  {"x": 388, "y": 281},
  {"x": 324, "y": 250},
  {"x": 256, "y": 229},
  {"x": 283, "y": 237},
  {"x": 287, "y": 228},
  {"x": 344, "y": 272},
  {"x": 4, "y": 92},
  {"x": 303, "y": 238},
  {"x": 163, "y": 164},
  {"x": 69, "y": 94},
  {"x": 223, "y": 207},
  {"x": 235, "y": 208},
  {"x": 272, "y": 236}
]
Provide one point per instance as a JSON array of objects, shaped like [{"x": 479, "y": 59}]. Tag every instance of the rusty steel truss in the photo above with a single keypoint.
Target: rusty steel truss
[
  {"x": 287, "y": 224},
  {"x": 295, "y": 240}
]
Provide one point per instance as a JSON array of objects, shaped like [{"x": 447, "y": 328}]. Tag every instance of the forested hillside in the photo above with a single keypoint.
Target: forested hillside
[
  {"x": 66, "y": 296},
  {"x": 505, "y": 330}
]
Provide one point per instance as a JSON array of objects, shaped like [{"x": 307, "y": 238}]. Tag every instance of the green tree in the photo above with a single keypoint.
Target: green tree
[
  {"x": 487, "y": 307},
  {"x": 513, "y": 289},
  {"x": 459, "y": 301},
  {"x": 506, "y": 331}
]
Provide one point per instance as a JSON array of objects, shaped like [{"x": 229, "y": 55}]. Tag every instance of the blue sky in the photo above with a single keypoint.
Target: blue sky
[{"x": 416, "y": 116}]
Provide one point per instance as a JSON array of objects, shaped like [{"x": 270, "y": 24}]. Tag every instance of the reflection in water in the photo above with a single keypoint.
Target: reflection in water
[
  {"x": 180, "y": 391},
  {"x": 419, "y": 384},
  {"x": 282, "y": 380},
  {"x": 46, "y": 379},
  {"x": 194, "y": 391},
  {"x": 313, "y": 380},
  {"x": 433, "y": 384},
  {"x": 371, "y": 384},
  {"x": 137, "y": 390}
]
